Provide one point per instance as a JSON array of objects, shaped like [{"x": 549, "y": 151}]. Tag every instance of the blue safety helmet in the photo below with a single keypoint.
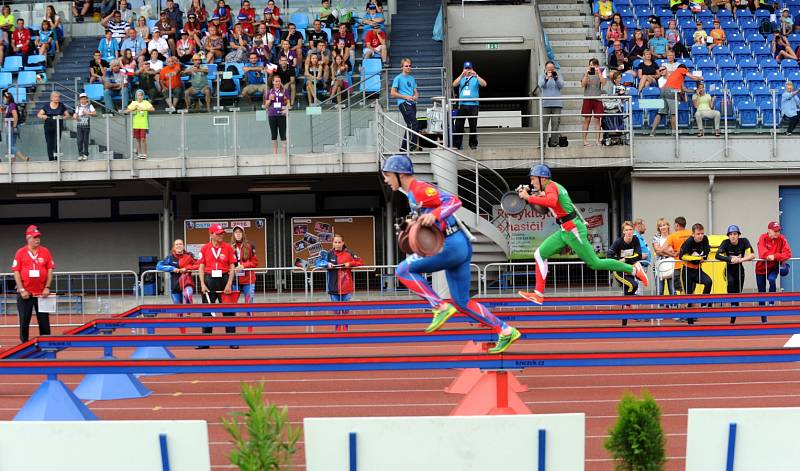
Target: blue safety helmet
[
  {"x": 398, "y": 163},
  {"x": 733, "y": 228},
  {"x": 540, "y": 170}
]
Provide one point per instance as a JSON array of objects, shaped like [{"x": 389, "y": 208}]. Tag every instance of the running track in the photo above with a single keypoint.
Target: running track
[{"x": 593, "y": 391}]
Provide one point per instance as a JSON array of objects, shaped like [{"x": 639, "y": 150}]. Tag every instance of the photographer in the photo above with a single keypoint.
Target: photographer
[
  {"x": 468, "y": 83},
  {"x": 550, "y": 84},
  {"x": 592, "y": 83}
]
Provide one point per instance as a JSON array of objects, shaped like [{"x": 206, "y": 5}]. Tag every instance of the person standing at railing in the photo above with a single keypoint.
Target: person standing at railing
[
  {"x": 573, "y": 233},
  {"x": 592, "y": 83},
  {"x": 246, "y": 258},
  {"x": 550, "y": 84},
  {"x": 639, "y": 229},
  {"x": 216, "y": 265},
  {"x": 179, "y": 264},
  {"x": 694, "y": 251},
  {"x": 627, "y": 249},
  {"x": 404, "y": 88},
  {"x": 790, "y": 107},
  {"x": 140, "y": 109},
  {"x": 773, "y": 252},
  {"x": 435, "y": 207},
  {"x": 469, "y": 84},
  {"x": 52, "y": 126},
  {"x": 664, "y": 260},
  {"x": 734, "y": 251},
  {"x": 82, "y": 115},
  {"x": 276, "y": 100},
  {"x": 12, "y": 112},
  {"x": 33, "y": 273},
  {"x": 340, "y": 261}
]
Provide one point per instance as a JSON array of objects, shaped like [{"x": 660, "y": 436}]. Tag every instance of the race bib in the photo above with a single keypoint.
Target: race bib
[
  {"x": 33, "y": 273},
  {"x": 216, "y": 273}
]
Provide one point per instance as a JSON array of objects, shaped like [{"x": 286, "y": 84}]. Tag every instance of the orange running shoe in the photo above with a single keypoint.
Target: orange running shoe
[
  {"x": 640, "y": 274},
  {"x": 532, "y": 296}
]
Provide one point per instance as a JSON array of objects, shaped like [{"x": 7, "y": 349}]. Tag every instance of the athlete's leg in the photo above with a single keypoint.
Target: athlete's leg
[
  {"x": 553, "y": 244},
  {"x": 409, "y": 271},
  {"x": 458, "y": 280}
]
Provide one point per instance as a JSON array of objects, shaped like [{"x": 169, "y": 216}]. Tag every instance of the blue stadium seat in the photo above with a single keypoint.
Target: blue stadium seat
[
  {"x": 761, "y": 51},
  {"x": 637, "y": 116},
  {"x": 754, "y": 37},
  {"x": 788, "y": 64},
  {"x": 12, "y": 64},
  {"x": 634, "y": 92},
  {"x": 794, "y": 39},
  {"x": 729, "y": 25},
  {"x": 698, "y": 50},
  {"x": 651, "y": 93},
  {"x": 733, "y": 76},
  {"x": 761, "y": 14},
  {"x": 26, "y": 78},
  {"x": 705, "y": 62},
  {"x": 726, "y": 64},
  {"x": 738, "y": 91},
  {"x": 746, "y": 22},
  {"x": 371, "y": 75},
  {"x": 767, "y": 115},
  {"x": 5, "y": 80},
  {"x": 747, "y": 63},
  {"x": 760, "y": 92},
  {"x": 753, "y": 77},
  {"x": 94, "y": 91},
  {"x": 20, "y": 94},
  {"x": 687, "y": 26},
  {"x": 793, "y": 75},
  {"x": 704, "y": 14},
  {"x": 721, "y": 13},
  {"x": 642, "y": 11},
  {"x": 748, "y": 113},
  {"x": 628, "y": 77},
  {"x": 718, "y": 51},
  {"x": 36, "y": 63},
  {"x": 687, "y": 62},
  {"x": 660, "y": 62},
  {"x": 663, "y": 12},
  {"x": 768, "y": 65},
  {"x": 684, "y": 14},
  {"x": 712, "y": 76},
  {"x": 625, "y": 12},
  {"x": 299, "y": 19},
  {"x": 684, "y": 115},
  {"x": 775, "y": 79},
  {"x": 741, "y": 50}
]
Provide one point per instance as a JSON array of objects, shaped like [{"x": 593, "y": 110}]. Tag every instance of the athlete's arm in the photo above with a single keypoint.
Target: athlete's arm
[
  {"x": 722, "y": 252},
  {"x": 549, "y": 200}
]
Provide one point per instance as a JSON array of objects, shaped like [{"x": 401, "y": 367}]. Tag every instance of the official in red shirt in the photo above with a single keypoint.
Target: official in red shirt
[
  {"x": 33, "y": 271},
  {"x": 216, "y": 264},
  {"x": 21, "y": 39},
  {"x": 773, "y": 252}
]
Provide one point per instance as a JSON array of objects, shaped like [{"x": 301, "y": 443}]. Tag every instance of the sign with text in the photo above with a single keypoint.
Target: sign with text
[
  {"x": 528, "y": 229},
  {"x": 312, "y": 235},
  {"x": 196, "y": 234}
]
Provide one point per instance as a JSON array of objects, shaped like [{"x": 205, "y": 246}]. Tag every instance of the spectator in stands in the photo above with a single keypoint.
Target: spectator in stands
[
  {"x": 260, "y": 50},
  {"x": 375, "y": 43},
  {"x": 603, "y": 10},
  {"x": 159, "y": 44},
  {"x": 198, "y": 10},
  {"x": 108, "y": 47},
  {"x": 670, "y": 64},
  {"x": 618, "y": 60},
  {"x": 267, "y": 38},
  {"x": 135, "y": 44},
  {"x": 674, "y": 41},
  {"x": 773, "y": 252},
  {"x": 194, "y": 28},
  {"x": 142, "y": 30},
  {"x": 404, "y": 89},
  {"x": 274, "y": 11},
  {"x": 21, "y": 40},
  {"x": 140, "y": 109},
  {"x": 126, "y": 12},
  {"x": 637, "y": 46},
  {"x": 781, "y": 49},
  {"x": 214, "y": 44},
  {"x": 277, "y": 103},
  {"x": 198, "y": 82},
  {"x": 246, "y": 18},
  {"x": 255, "y": 76},
  {"x": 55, "y": 25},
  {"x": 592, "y": 83},
  {"x": 4, "y": 45},
  {"x": 674, "y": 243},
  {"x": 148, "y": 81},
  {"x": 339, "y": 280},
  {"x": 116, "y": 24},
  {"x": 316, "y": 77},
  {"x": 216, "y": 264},
  {"x": 676, "y": 5},
  {"x": 704, "y": 104},
  {"x": 185, "y": 48},
  {"x": 223, "y": 14},
  {"x": 287, "y": 52},
  {"x": 287, "y": 75},
  {"x": 128, "y": 65},
  {"x": 700, "y": 35},
  {"x": 715, "y": 5},
  {"x": 97, "y": 68},
  {"x": 295, "y": 41},
  {"x": 550, "y": 84},
  {"x": 627, "y": 250},
  {"x": 468, "y": 85},
  {"x": 175, "y": 14},
  {"x": 663, "y": 258},
  {"x": 790, "y": 107},
  {"x": 653, "y": 22},
  {"x": 11, "y": 111},
  {"x": 734, "y": 251},
  {"x": 238, "y": 45},
  {"x": 339, "y": 77},
  {"x": 718, "y": 35},
  {"x": 345, "y": 43},
  {"x": 613, "y": 33},
  {"x": 373, "y": 17},
  {"x": 179, "y": 264},
  {"x": 658, "y": 43},
  {"x": 272, "y": 24},
  {"x": 326, "y": 14},
  {"x": 739, "y": 5},
  {"x": 222, "y": 28},
  {"x": 786, "y": 22},
  {"x": 316, "y": 35},
  {"x": 693, "y": 253},
  {"x": 80, "y": 9},
  {"x": 33, "y": 273},
  {"x": 673, "y": 85},
  {"x": 107, "y": 7},
  {"x": 115, "y": 83},
  {"x": 52, "y": 126},
  {"x": 170, "y": 79},
  {"x": 323, "y": 52},
  {"x": 6, "y": 19},
  {"x": 168, "y": 29},
  {"x": 84, "y": 111},
  {"x": 797, "y": 23}
]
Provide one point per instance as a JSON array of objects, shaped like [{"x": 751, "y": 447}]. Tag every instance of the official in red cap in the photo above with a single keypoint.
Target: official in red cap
[
  {"x": 33, "y": 271},
  {"x": 216, "y": 265},
  {"x": 773, "y": 251}
]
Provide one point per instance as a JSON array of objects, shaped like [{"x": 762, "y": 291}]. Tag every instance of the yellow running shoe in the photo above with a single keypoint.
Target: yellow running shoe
[
  {"x": 505, "y": 341},
  {"x": 440, "y": 315}
]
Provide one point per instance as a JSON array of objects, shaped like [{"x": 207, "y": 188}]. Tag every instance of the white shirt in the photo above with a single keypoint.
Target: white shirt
[
  {"x": 156, "y": 64},
  {"x": 159, "y": 45}
]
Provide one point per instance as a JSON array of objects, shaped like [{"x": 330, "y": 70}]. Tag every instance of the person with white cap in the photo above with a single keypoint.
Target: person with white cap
[
  {"x": 734, "y": 251},
  {"x": 246, "y": 257},
  {"x": 468, "y": 83},
  {"x": 83, "y": 112},
  {"x": 33, "y": 272},
  {"x": 773, "y": 252}
]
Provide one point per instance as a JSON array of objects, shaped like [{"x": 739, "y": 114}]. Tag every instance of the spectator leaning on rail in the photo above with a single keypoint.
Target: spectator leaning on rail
[
  {"x": 773, "y": 252},
  {"x": 790, "y": 107},
  {"x": 550, "y": 84},
  {"x": 84, "y": 111},
  {"x": 179, "y": 264},
  {"x": 627, "y": 250},
  {"x": 339, "y": 263},
  {"x": 734, "y": 251},
  {"x": 33, "y": 272},
  {"x": 694, "y": 252},
  {"x": 404, "y": 88},
  {"x": 468, "y": 83},
  {"x": 639, "y": 228},
  {"x": 216, "y": 265}
]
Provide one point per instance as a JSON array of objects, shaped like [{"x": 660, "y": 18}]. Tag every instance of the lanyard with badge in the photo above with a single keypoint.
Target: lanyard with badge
[
  {"x": 216, "y": 273},
  {"x": 465, "y": 91},
  {"x": 278, "y": 99},
  {"x": 33, "y": 272}
]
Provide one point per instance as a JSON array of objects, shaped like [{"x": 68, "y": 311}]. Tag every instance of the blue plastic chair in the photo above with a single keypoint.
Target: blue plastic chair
[
  {"x": 769, "y": 65},
  {"x": 371, "y": 75},
  {"x": 687, "y": 62},
  {"x": 12, "y": 64},
  {"x": 36, "y": 63},
  {"x": 5, "y": 80},
  {"x": 761, "y": 14},
  {"x": 720, "y": 51},
  {"x": 721, "y": 13},
  {"x": 760, "y": 92},
  {"x": 767, "y": 114},
  {"x": 753, "y": 77},
  {"x": 748, "y": 114},
  {"x": 705, "y": 62},
  {"x": 746, "y": 22},
  {"x": 793, "y": 75},
  {"x": 754, "y": 37},
  {"x": 94, "y": 91},
  {"x": 20, "y": 94},
  {"x": 698, "y": 50},
  {"x": 651, "y": 93},
  {"x": 642, "y": 11},
  {"x": 726, "y": 64},
  {"x": 741, "y": 50},
  {"x": 761, "y": 51},
  {"x": 775, "y": 79},
  {"x": 739, "y": 91},
  {"x": 26, "y": 79},
  {"x": 788, "y": 64},
  {"x": 684, "y": 115},
  {"x": 637, "y": 116},
  {"x": 747, "y": 64}
]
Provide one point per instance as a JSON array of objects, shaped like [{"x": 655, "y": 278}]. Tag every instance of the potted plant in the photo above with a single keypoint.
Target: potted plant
[{"x": 637, "y": 441}]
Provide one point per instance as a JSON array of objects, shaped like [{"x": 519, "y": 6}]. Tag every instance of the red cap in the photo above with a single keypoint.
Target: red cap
[
  {"x": 216, "y": 229},
  {"x": 774, "y": 225},
  {"x": 32, "y": 231}
]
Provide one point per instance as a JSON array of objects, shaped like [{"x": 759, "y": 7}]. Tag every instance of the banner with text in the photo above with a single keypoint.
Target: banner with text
[{"x": 196, "y": 234}]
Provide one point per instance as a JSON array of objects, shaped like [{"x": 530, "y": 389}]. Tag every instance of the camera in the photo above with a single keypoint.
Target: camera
[
  {"x": 554, "y": 74},
  {"x": 591, "y": 71},
  {"x": 523, "y": 187}
]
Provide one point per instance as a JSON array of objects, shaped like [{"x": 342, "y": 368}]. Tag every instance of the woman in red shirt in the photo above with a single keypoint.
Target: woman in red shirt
[
  {"x": 773, "y": 251},
  {"x": 339, "y": 263},
  {"x": 246, "y": 257}
]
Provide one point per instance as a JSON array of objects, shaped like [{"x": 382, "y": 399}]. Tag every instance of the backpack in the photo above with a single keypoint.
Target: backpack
[
  {"x": 227, "y": 84},
  {"x": 765, "y": 27}
]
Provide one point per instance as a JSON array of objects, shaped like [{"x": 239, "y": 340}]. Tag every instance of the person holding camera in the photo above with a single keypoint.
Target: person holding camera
[
  {"x": 592, "y": 83},
  {"x": 551, "y": 84},
  {"x": 468, "y": 83}
]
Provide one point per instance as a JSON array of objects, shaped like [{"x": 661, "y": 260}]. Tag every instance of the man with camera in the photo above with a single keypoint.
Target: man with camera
[
  {"x": 550, "y": 84},
  {"x": 592, "y": 83},
  {"x": 468, "y": 83}
]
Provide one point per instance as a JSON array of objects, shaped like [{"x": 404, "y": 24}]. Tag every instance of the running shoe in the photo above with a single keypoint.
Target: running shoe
[
  {"x": 532, "y": 296},
  {"x": 640, "y": 274},
  {"x": 440, "y": 315},
  {"x": 505, "y": 341}
]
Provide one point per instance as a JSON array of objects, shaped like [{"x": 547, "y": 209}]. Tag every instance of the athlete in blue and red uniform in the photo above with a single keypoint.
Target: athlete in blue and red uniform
[{"x": 436, "y": 207}]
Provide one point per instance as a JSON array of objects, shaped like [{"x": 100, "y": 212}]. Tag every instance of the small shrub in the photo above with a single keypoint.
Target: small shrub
[{"x": 637, "y": 442}]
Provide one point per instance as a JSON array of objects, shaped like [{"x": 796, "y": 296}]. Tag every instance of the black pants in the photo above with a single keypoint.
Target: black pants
[
  {"x": 277, "y": 126},
  {"x": 83, "y": 139},
  {"x": 734, "y": 274},
  {"x": 792, "y": 122},
  {"x": 629, "y": 286},
  {"x": 466, "y": 112},
  {"x": 690, "y": 277},
  {"x": 25, "y": 309},
  {"x": 51, "y": 136},
  {"x": 409, "y": 112},
  {"x": 215, "y": 288}
]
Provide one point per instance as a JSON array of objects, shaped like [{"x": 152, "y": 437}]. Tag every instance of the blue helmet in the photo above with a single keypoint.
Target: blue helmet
[
  {"x": 733, "y": 228},
  {"x": 540, "y": 170},
  {"x": 398, "y": 163}
]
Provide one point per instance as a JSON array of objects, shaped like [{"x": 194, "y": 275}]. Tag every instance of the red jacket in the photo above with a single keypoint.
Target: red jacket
[
  {"x": 340, "y": 280},
  {"x": 778, "y": 247},
  {"x": 21, "y": 38},
  {"x": 251, "y": 262}
]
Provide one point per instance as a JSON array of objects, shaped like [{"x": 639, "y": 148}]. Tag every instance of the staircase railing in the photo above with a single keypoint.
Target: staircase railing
[{"x": 480, "y": 187}]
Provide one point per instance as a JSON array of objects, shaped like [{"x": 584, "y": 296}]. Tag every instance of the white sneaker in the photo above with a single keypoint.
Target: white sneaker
[{"x": 141, "y": 156}]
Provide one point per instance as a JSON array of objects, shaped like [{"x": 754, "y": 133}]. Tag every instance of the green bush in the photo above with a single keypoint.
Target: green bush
[
  {"x": 264, "y": 440},
  {"x": 636, "y": 442}
]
